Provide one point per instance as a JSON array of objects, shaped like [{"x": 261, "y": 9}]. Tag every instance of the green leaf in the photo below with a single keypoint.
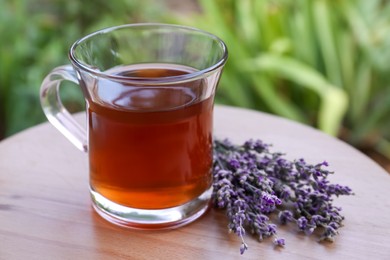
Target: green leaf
[
  {"x": 279, "y": 105},
  {"x": 324, "y": 29},
  {"x": 332, "y": 110},
  {"x": 333, "y": 100}
]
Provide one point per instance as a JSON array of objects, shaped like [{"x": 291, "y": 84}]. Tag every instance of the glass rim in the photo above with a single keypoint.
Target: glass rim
[{"x": 148, "y": 81}]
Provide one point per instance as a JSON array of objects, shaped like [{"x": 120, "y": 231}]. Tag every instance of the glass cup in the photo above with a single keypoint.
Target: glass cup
[{"x": 149, "y": 92}]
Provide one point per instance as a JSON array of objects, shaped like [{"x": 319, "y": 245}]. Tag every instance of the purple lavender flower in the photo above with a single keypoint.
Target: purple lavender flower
[
  {"x": 338, "y": 190},
  {"x": 285, "y": 216},
  {"x": 279, "y": 242},
  {"x": 302, "y": 223},
  {"x": 271, "y": 229},
  {"x": 256, "y": 145},
  {"x": 243, "y": 248},
  {"x": 234, "y": 164},
  {"x": 324, "y": 163},
  {"x": 251, "y": 183},
  {"x": 317, "y": 220}
]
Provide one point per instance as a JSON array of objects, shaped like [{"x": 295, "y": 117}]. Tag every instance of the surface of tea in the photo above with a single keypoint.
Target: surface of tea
[{"x": 150, "y": 147}]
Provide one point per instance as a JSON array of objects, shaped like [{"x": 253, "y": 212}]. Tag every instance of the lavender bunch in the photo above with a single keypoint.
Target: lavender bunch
[{"x": 252, "y": 183}]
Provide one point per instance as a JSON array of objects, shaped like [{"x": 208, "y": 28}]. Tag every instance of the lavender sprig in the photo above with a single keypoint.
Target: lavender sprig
[{"x": 252, "y": 183}]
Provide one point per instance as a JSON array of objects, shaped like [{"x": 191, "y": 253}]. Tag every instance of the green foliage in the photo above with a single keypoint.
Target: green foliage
[
  {"x": 35, "y": 38},
  {"x": 321, "y": 62}
]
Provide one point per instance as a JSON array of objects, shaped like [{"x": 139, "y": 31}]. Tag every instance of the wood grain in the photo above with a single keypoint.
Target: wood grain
[{"x": 45, "y": 210}]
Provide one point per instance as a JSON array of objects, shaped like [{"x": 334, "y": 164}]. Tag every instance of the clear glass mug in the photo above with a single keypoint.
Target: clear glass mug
[{"x": 149, "y": 92}]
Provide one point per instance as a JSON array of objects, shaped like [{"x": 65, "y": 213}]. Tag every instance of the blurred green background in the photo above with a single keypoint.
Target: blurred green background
[{"x": 324, "y": 63}]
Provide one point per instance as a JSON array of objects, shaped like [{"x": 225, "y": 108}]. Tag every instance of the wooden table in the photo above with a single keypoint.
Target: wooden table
[{"x": 45, "y": 210}]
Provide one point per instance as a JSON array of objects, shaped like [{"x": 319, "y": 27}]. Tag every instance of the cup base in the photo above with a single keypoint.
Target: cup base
[{"x": 151, "y": 219}]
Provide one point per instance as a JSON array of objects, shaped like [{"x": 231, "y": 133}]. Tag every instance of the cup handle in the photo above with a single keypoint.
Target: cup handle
[{"x": 55, "y": 111}]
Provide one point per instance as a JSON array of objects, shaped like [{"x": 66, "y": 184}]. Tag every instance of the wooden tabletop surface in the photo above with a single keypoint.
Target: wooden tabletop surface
[{"x": 45, "y": 210}]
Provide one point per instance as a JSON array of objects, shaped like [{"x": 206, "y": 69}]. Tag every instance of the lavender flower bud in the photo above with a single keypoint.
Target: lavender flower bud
[
  {"x": 257, "y": 145},
  {"x": 271, "y": 229},
  {"x": 285, "y": 216},
  {"x": 279, "y": 242},
  {"x": 316, "y": 220},
  {"x": 243, "y": 248},
  {"x": 324, "y": 163},
  {"x": 302, "y": 223},
  {"x": 234, "y": 164}
]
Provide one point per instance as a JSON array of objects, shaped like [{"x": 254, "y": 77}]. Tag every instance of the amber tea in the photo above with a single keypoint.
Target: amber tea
[{"x": 150, "y": 148}]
